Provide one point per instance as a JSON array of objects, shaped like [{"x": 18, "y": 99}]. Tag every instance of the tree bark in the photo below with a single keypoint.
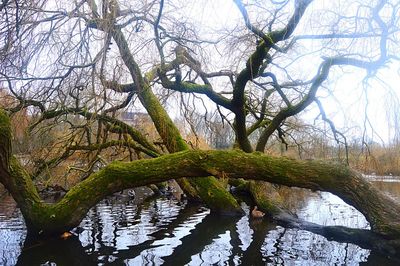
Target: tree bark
[
  {"x": 209, "y": 190},
  {"x": 381, "y": 211}
]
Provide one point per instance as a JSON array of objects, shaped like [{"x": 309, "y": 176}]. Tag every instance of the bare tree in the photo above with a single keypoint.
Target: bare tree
[{"x": 80, "y": 66}]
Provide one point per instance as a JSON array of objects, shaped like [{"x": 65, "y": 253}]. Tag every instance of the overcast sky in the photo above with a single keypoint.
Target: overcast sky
[{"x": 349, "y": 97}]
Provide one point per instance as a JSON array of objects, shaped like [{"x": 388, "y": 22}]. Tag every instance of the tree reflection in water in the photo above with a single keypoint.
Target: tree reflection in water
[{"x": 166, "y": 231}]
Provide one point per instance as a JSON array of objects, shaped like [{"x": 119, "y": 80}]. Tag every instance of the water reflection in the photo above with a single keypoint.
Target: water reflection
[
  {"x": 12, "y": 231},
  {"x": 170, "y": 232},
  {"x": 292, "y": 246},
  {"x": 391, "y": 188},
  {"x": 327, "y": 209}
]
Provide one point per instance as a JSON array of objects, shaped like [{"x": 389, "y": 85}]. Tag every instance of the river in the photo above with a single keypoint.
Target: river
[{"x": 165, "y": 231}]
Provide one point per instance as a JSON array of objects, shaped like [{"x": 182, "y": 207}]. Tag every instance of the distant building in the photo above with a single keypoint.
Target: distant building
[
  {"x": 135, "y": 119},
  {"x": 140, "y": 121}
]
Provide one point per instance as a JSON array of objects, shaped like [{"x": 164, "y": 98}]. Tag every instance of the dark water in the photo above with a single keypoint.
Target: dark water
[{"x": 167, "y": 231}]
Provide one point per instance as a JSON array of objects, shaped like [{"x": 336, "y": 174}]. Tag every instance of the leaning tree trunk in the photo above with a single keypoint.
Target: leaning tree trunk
[
  {"x": 209, "y": 189},
  {"x": 381, "y": 211}
]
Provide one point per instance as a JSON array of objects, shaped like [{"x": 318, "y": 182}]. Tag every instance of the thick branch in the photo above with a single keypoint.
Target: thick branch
[
  {"x": 115, "y": 86},
  {"x": 380, "y": 211},
  {"x": 189, "y": 87},
  {"x": 252, "y": 68},
  {"x": 209, "y": 189},
  {"x": 113, "y": 143}
]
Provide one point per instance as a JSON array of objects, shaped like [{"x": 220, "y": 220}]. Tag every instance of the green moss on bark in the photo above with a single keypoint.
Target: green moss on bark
[
  {"x": 163, "y": 123},
  {"x": 208, "y": 189},
  {"x": 5, "y": 140},
  {"x": 214, "y": 194},
  {"x": 381, "y": 211},
  {"x": 266, "y": 198}
]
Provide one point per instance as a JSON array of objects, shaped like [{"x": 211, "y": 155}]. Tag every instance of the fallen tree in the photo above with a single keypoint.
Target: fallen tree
[
  {"x": 42, "y": 218},
  {"x": 125, "y": 53}
]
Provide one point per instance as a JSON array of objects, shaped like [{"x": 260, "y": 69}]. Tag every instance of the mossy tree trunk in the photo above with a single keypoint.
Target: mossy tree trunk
[
  {"x": 209, "y": 190},
  {"x": 381, "y": 211}
]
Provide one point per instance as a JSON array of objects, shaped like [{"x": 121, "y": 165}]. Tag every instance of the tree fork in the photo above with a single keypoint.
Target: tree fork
[{"x": 209, "y": 189}]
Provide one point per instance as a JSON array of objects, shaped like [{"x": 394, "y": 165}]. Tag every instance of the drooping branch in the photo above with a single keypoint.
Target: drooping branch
[
  {"x": 255, "y": 60},
  {"x": 124, "y": 104},
  {"x": 22, "y": 101},
  {"x": 261, "y": 120},
  {"x": 333, "y": 129},
  {"x": 113, "y": 143},
  {"x": 277, "y": 87},
  {"x": 291, "y": 110},
  {"x": 115, "y": 124},
  {"x": 253, "y": 64},
  {"x": 157, "y": 33},
  {"x": 321, "y": 76}
]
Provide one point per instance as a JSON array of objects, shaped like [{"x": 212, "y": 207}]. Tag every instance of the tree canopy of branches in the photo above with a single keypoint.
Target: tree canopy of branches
[{"x": 82, "y": 67}]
